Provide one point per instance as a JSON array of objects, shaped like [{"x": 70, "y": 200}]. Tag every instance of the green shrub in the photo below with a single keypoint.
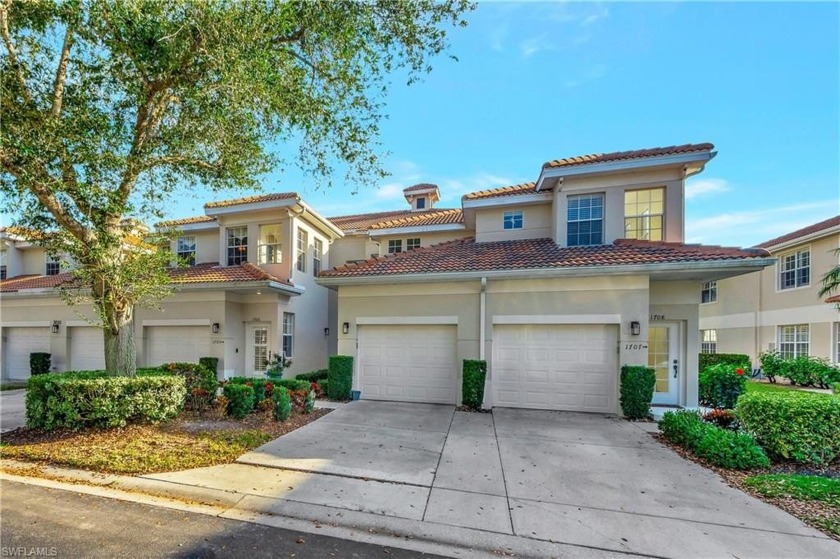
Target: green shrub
[
  {"x": 303, "y": 397},
  {"x": 150, "y": 372},
  {"x": 720, "y": 386},
  {"x": 340, "y": 377},
  {"x": 39, "y": 363},
  {"x": 682, "y": 427},
  {"x": 472, "y": 383},
  {"x": 803, "y": 370},
  {"x": 772, "y": 364},
  {"x": 835, "y": 387},
  {"x": 314, "y": 376},
  {"x": 325, "y": 386},
  {"x": 210, "y": 363},
  {"x": 282, "y": 403},
  {"x": 737, "y": 360},
  {"x": 257, "y": 383},
  {"x": 201, "y": 383},
  {"x": 93, "y": 398},
  {"x": 798, "y": 426},
  {"x": 240, "y": 399},
  {"x": 637, "y": 383}
]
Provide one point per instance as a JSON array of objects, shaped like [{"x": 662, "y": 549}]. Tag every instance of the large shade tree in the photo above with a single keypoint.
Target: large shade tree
[{"x": 110, "y": 107}]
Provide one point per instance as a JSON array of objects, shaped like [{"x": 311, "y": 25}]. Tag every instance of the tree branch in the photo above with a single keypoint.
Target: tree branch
[
  {"x": 10, "y": 48},
  {"x": 181, "y": 160},
  {"x": 291, "y": 37},
  {"x": 61, "y": 72}
]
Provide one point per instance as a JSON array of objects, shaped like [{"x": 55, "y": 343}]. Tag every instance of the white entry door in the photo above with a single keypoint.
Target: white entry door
[
  {"x": 664, "y": 356},
  {"x": 258, "y": 350}
]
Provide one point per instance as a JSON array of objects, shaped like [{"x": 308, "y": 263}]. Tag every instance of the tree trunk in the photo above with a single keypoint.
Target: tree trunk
[{"x": 120, "y": 351}]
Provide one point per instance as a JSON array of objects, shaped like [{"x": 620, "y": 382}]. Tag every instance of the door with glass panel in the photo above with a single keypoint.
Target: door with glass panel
[
  {"x": 664, "y": 358},
  {"x": 258, "y": 349}
]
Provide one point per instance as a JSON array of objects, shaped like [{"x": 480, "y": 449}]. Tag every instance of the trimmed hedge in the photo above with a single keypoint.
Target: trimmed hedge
[
  {"x": 637, "y": 384},
  {"x": 201, "y": 383},
  {"x": 282, "y": 403},
  {"x": 720, "y": 385},
  {"x": 737, "y": 360},
  {"x": 340, "y": 377},
  {"x": 302, "y": 389},
  {"x": 802, "y": 370},
  {"x": 257, "y": 383},
  {"x": 472, "y": 383},
  {"x": 93, "y": 398},
  {"x": 240, "y": 399},
  {"x": 799, "y": 426},
  {"x": 39, "y": 363},
  {"x": 721, "y": 447},
  {"x": 210, "y": 363},
  {"x": 314, "y": 376}
]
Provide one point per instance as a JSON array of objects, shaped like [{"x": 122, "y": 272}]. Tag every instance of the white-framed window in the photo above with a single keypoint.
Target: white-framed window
[
  {"x": 288, "y": 334},
  {"x": 794, "y": 340},
  {"x": 585, "y": 220},
  {"x": 795, "y": 269},
  {"x": 709, "y": 292},
  {"x": 394, "y": 246},
  {"x": 302, "y": 246},
  {"x": 53, "y": 267},
  {"x": 317, "y": 256},
  {"x": 513, "y": 220},
  {"x": 3, "y": 271},
  {"x": 644, "y": 212},
  {"x": 185, "y": 249},
  {"x": 237, "y": 245},
  {"x": 269, "y": 248},
  {"x": 708, "y": 341},
  {"x": 421, "y": 203},
  {"x": 411, "y": 244}
]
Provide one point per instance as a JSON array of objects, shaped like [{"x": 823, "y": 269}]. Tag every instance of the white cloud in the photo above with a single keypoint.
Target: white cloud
[
  {"x": 601, "y": 13},
  {"x": 703, "y": 187},
  {"x": 390, "y": 191},
  {"x": 534, "y": 45}
]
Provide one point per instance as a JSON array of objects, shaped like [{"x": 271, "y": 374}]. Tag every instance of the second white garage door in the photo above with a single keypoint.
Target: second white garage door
[
  {"x": 170, "y": 344},
  {"x": 87, "y": 348},
  {"x": 555, "y": 367},
  {"x": 18, "y": 343},
  {"x": 408, "y": 363}
]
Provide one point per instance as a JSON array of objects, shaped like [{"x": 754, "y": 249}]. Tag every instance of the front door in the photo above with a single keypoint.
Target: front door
[
  {"x": 257, "y": 355},
  {"x": 664, "y": 357}
]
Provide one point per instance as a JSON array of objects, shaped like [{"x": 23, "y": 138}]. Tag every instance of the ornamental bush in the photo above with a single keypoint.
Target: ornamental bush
[
  {"x": 240, "y": 399},
  {"x": 210, "y": 363},
  {"x": 282, "y": 403},
  {"x": 720, "y": 386},
  {"x": 472, "y": 383},
  {"x": 682, "y": 427},
  {"x": 803, "y": 370},
  {"x": 637, "y": 384},
  {"x": 737, "y": 360},
  {"x": 76, "y": 400},
  {"x": 259, "y": 385},
  {"x": 798, "y": 426},
  {"x": 201, "y": 383},
  {"x": 303, "y": 397},
  {"x": 314, "y": 376},
  {"x": 39, "y": 363},
  {"x": 340, "y": 377}
]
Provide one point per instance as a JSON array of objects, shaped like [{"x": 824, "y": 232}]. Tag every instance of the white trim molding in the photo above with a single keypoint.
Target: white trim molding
[
  {"x": 405, "y": 320},
  {"x": 21, "y": 324},
  {"x": 557, "y": 319},
  {"x": 176, "y": 322}
]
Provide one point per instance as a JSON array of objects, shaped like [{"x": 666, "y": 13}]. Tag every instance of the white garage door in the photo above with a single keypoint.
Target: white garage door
[
  {"x": 87, "y": 348},
  {"x": 408, "y": 363},
  {"x": 18, "y": 343},
  {"x": 555, "y": 367},
  {"x": 170, "y": 344}
]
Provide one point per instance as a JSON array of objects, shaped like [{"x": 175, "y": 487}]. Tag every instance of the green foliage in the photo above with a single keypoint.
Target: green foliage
[
  {"x": 240, "y": 399},
  {"x": 472, "y": 383},
  {"x": 210, "y": 363},
  {"x": 340, "y": 377},
  {"x": 754, "y": 387},
  {"x": 201, "y": 383},
  {"x": 720, "y": 385},
  {"x": 39, "y": 363},
  {"x": 835, "y": 388},
  {"x": 803, "y": 370},
  {"x": 303, "y": 397},
  {"x": 723, "y": 418},
  {"x": 795, "y": 425},
  {"x": 276, "y": 366},
  {"x": 258, "y": 384},
  {"x": 314, "y": 376},
  {"x": 737, "y": 360},
  {"x": 721, "y": 447},
  {"x": 282, "y": 403},
  {"x": 93, "y": 399},
  {"x": 802, "y": 487},
  {"x": 637, "y": 384},
  {"x": 771, "y": 363}
]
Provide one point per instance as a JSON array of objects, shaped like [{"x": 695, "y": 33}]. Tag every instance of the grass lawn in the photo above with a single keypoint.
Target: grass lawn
[
  {"x": 753, "y": 386},
  {"x": 142, "y": 449},
  {"x": 815, "y": 498}
]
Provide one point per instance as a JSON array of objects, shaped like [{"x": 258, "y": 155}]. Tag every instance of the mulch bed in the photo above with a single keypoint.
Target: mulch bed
[{"x": 472, "y": 410}]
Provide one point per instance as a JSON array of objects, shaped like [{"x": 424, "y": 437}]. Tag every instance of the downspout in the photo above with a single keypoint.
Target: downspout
[{"x": 482, "y": 317}]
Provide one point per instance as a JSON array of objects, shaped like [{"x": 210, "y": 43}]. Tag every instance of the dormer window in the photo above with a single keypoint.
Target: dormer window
[
  {"x": 53, "y": 266},
  {"x": 186, "y": 250},
  {"x": 237, "y": 245},
  {"x": 421, "y": 203},
  {"x": 644, "y": 214},
  {"x": 513, "y": 220},
  {"x": 394, "y": 246},
  {"x": 269, "y": 247},
  {"x": 585, "y": 220}
]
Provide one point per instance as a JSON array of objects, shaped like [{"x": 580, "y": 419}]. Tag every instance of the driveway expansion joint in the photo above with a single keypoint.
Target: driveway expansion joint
[
  {"x": 504, "y": 480},
  {"x": 334, "y": 474},
  {"x": 437, "y": 466}
]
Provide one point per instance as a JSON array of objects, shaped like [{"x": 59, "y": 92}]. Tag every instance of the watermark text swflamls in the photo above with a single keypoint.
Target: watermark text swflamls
[{"x": 22, "y": 551}]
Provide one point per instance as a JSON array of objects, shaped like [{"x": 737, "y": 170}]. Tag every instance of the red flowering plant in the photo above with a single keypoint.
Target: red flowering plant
[
  {"x": 720, "y": 386},
  {"x": 739, "y": 371}
]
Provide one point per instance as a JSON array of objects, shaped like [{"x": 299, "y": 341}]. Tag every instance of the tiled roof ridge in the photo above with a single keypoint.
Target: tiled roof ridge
[
  {"x": 810, "y": 229},
  {"x": 252, "y": 199},
  {"x": 186, "y": 220},
  {"x": 416, "y": 216},
  {"x": 420, "y": 186},
  {"x": 500, "y": 191},
  {"x": 403, "y": 254},
  {"x": 675, "y": 244},
  {"x": 833, "y": 299},
  {"x": 627, "y": 154}
]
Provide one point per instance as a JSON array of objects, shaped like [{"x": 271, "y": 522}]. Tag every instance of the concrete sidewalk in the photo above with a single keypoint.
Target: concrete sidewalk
[{"x": 12, "y": 409}]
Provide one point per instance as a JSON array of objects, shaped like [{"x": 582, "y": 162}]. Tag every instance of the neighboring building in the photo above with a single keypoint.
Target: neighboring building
[
  {"x": 779, "y": 307},
  {"x": 249, "y": 292},
  {"x": 556, "y": 283}
]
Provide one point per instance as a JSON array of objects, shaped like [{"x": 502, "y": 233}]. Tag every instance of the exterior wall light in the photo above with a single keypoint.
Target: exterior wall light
[
  {"x": 635, "y": 328},
  {"x": 326, "y": 331},
  {"x": 56, "y": 324},
  {"x": 345, "y": 328},
  {"x": 215, "y": 328}
]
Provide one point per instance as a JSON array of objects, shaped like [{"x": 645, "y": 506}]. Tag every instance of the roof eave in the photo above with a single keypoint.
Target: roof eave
[
  {"x": 417, "y": 229},
  {"x": 519, "y": 199},
  {"x": 816, "y": 235}
]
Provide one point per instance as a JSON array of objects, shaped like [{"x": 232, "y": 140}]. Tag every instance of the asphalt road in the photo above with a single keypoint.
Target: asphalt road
[{"x": 38, "y": 522}]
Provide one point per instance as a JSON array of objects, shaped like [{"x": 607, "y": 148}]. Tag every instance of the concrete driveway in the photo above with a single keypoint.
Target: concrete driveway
[
  {"x": 580, "y": 479},
  {"x": 12, "y": 409}
]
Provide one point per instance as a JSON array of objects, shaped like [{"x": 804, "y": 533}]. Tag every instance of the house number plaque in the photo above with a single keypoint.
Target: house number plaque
[{"x": 657, "y": 317}]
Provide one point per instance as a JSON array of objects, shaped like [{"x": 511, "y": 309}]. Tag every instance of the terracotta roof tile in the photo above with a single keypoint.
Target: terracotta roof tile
[
  {"x": 833, "y": 299},
  {"x": 524, "y": 188},
  {"x": 252, "y": 199},
  {"x": 363, "y": 222},
  {"x": 419, "y": 219},
  {"x": 421, "y": 186},
  {"x": 815, "y": 228},
  {"x": 187, "y": 221},
  {"x": 466, "y": 255},
  {"x": 624, "y": 155}
]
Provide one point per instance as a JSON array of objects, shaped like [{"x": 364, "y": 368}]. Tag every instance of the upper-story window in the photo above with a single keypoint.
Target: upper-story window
[
  {"x": 237, "y": 245},
  {"x": 795, "y": 269},
  {"x": 585, "y": 220},
  {"x": 302, "y": 246},
  {"x": 644, "y": 214},
  {"x": 185, "y": 250},
  {"x": 317, "y": 256},
  {"x": 288, "y": 334},
  {"x": 394, "y": 246},
  {"x": 268, "y": 249},
  {"x": 411, "y": 244},
  {"x": 709, "y": 292},
  {"x": 53, "y": 266},
  {"x": 3, "y": 265},
  {"x": 421, "y": 203},
  {"x": 513, "y": 220}
]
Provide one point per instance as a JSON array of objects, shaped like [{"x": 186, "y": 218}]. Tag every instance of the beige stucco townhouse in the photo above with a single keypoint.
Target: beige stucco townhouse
[
  {"x": 248, "y": 293},
  {"x": 556, "y": 283},
  {"x": 778, "y": 308}
]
